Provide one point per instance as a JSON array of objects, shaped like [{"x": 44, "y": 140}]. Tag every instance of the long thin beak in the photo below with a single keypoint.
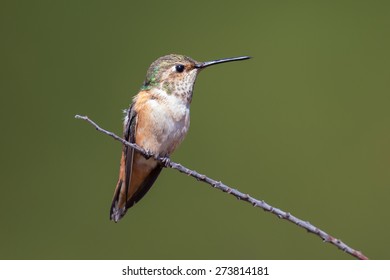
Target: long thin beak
[{"x": 202, "y": 65}]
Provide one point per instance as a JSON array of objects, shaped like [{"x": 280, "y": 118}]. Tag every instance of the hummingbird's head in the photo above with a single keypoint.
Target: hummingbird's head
[
  {"x": 176, "y": 74},
  {"x": 173, "y": 73}
]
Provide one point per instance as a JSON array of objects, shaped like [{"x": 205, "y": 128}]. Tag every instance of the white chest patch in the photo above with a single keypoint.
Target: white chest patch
[{"x": 171, "y": 120}]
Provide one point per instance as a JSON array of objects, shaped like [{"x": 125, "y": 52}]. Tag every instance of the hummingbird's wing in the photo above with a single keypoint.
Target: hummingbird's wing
[{"x": 134, "y": 179}]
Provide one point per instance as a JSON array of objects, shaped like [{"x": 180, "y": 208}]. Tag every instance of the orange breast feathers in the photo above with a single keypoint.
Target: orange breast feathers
[{"x": 162, "y": 122}]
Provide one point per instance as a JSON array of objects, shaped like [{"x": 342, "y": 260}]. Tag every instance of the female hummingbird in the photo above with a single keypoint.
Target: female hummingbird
[{"x": 157, "y": 120}]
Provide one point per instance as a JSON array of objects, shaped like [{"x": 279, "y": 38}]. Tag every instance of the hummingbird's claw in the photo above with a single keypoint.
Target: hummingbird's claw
[
  {"x": 166, "y": 161},
  {"x": 147, "y": 154}
]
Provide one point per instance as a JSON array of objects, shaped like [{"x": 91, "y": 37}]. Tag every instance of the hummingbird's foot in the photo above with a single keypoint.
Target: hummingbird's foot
[
  {"x": 147, "y": 154},
  {"x": 166, "y": 161}
]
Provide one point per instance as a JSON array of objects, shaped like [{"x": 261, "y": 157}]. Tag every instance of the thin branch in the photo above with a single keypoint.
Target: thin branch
[{"x": 239, "y": 195}]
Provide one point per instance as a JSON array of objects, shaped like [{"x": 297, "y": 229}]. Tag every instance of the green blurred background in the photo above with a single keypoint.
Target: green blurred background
[{"x": 304, "y": 126}]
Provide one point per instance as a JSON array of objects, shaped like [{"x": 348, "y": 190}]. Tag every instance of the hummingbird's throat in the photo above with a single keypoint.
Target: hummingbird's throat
[{"x": 181, "y": 87}]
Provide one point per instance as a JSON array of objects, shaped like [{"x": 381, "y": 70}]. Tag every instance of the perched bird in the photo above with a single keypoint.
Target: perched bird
[{"x": 157, "y": 120}]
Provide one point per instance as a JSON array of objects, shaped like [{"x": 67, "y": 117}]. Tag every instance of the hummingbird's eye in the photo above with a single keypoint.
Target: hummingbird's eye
[{"x": 179, "y": 68}]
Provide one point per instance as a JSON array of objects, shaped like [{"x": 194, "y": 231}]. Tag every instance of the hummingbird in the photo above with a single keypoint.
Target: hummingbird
[{"x": 158, "y": 120}]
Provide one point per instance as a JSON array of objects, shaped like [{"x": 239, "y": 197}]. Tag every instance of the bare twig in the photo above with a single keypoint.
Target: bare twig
[{"x": 245, "y": 197}]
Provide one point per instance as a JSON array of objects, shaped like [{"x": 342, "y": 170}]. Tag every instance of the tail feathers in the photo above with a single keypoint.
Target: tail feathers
[
  {"x": 139, "y": 186},
  {"x": 118, "y": 208},
  {"x": 117, "y": 213}
]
